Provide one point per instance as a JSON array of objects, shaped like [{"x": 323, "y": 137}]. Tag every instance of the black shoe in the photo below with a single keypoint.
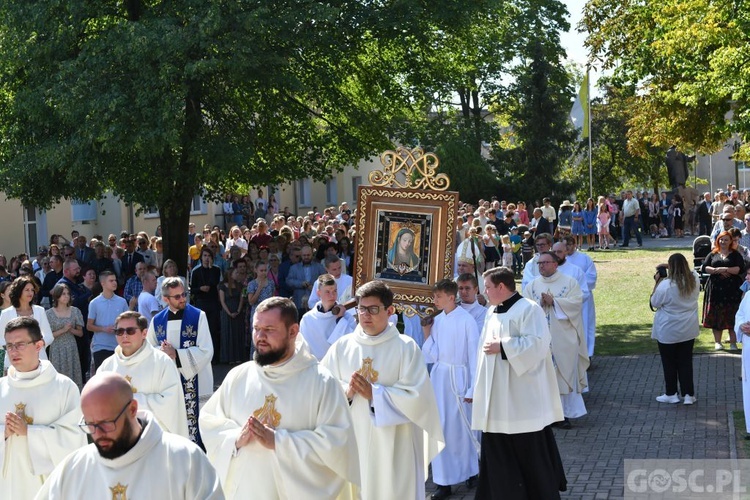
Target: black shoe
[
  {"x": 441, "y": 493},
  {"x": 471, "y": 482},
  {"x": 564, "y": 424}
]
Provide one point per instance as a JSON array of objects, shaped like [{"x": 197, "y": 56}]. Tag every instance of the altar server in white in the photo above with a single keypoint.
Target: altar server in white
[
  {"x": 588, "y": 267},
  {"x": 320, "y": 326},
  {"x": 131, "y": 456},
  {"x": 516, "y": 398},
  {"x": 181, "y": 332},
  {"x": 279, "y": 426},
  {"x": 39, "y": 413},
  {"x": 152, "y": 374},
  {"x": 335, "y": 267},
  {"x": 560, "y": 297},
  {"x": 392, "y": 401},
  {"x": 468, "y": 293},
  {"x": 451, "y": 343}
]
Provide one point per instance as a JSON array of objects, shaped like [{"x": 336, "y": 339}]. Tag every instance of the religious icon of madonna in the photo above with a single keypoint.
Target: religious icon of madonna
[{"x": 401, "y": 256}]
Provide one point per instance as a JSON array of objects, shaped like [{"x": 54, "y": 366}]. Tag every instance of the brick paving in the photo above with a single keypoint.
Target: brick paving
[{"x": 625, "y": 421}]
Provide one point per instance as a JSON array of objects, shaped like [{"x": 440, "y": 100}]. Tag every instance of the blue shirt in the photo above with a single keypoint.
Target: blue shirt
[{"x": 103, "y": 312}]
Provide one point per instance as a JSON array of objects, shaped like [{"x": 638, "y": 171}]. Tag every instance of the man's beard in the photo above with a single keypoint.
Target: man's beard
[
  {"x": 121, "y": 445},
  {"x": 271, "y": 357}
]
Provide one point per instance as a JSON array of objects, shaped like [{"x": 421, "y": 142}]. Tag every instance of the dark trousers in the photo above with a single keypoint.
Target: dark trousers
[
  {"x": 524, "y": 466},
  {"x": 705, "y": 227},
  {"x": 677, "y": 362},
  {"x": 83, "y": 344},
  {"x": 213, "y": 317},
  {"x": 100, "y": 356},
  {"x": 630, "y": 223}
]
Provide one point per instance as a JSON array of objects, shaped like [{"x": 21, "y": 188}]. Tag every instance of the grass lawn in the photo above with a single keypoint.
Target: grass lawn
[{"x": 624, "y": 285}]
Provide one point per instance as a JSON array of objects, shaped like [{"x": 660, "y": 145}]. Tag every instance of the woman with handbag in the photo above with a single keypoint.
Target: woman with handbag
[{"x": 675, "y": 298}]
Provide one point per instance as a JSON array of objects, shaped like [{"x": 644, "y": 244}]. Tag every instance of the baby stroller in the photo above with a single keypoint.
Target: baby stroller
[{"x": 701, "y": 248}]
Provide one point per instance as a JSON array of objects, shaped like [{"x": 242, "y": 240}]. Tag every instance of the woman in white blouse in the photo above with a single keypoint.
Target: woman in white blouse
[
  {"x": 22, "y": 292},
  {"x": 675, "y": 298}
]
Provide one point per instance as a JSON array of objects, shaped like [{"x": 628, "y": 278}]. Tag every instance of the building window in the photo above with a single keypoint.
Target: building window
[
  {"x": 356, "y": 182},
  {"x": 198, "y": 207},
  {"x": 332, "y": 192},
  {"x": 30, "y": 228},
  {"x": 83, "y": 210},
  {"x": 303, "y": 193}
]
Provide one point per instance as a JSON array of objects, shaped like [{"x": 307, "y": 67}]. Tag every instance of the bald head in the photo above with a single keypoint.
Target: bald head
[
  {"x": 110, "y": 411},
  {"x": 107, "y": 387}
]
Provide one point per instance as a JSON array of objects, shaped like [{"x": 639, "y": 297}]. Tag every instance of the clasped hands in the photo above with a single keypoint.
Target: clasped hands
[
  {"x": 255, "y": 430},
  {"x": 15, "y": 425},
  {"x": 359, "y": 385}
]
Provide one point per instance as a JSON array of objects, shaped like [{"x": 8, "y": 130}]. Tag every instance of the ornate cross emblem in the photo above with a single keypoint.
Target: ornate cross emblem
[
  {"x": 367, "y": 371},
  {"x": 119, "y": 492},
  {"x": 21, "y": 412},
  {"x": 130, "y": 381},
  {"x": 267, "y": 413}
]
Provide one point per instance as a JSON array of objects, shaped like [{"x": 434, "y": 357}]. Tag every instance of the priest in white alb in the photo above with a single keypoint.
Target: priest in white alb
[
  {"x": 39, "y": 413},
  {"x": 393, "y": 405},
  {"x": 279, "y": 426},
  {"x": 131, "y": 457},
  {"x": 321, "y": 326},
  {"x": 586, "y": 264},
  {"x": 542, "y": 243},
  {"x": 451, "y": 343},
  {"x": 152, "y": 374},
  {"x": 516, "y": 398},
  {"x": 181, "y": 332},
  {"x": 560, "y": 297}
]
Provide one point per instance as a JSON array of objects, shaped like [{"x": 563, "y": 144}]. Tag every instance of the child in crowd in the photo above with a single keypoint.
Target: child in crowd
[
  {"x": 515, "y": 243},
  {"x": 507, "y": 252},
  {"x": 491, "y": 242},
  {"x": 604, "y": 218},
  {"x": 663, "y": 233}
]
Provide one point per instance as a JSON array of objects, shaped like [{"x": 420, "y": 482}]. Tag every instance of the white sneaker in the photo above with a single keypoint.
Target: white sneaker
[
  {"x": 733, "y": 346},
  {"x": 689, "y": 399},
  {"x": 718, "y": 346},
  {"x": 673, "y": 399}
]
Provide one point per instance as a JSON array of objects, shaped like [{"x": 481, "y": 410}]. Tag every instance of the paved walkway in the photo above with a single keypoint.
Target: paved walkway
[{"x": 625, "y": 421}]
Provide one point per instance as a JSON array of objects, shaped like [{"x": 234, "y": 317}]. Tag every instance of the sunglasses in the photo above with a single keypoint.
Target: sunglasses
[{"x": 129, "y": 331}]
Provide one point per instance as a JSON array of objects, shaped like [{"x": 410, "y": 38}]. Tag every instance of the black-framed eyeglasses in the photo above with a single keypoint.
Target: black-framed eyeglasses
[
  {"x": 131, "y": 330},
  {"x": 104, "y": 427},
  {"x": 372, "y": 310},
  {"x": 544, "y": 262},
  {"x": 177, "y": 296},
  {"x": 18, "y": 346}
]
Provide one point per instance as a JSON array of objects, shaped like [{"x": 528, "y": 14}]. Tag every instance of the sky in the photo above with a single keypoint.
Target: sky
[{"x": 572, "y": 41}]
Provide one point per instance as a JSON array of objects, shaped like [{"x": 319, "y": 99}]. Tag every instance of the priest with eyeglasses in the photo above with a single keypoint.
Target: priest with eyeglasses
[
  {"x": 131, "y": 456},
  {"x": 39, "y": 412},
  {"x": 152, "y": 375},
  {"x": 181, "y": 332}
]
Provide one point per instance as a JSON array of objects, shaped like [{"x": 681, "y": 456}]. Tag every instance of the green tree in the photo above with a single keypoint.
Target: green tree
[
  {"x": 687, "y": 59},
  {"x": 614, "y": 166},
  {"x": 158, "y": 101},
  {"x": 541, "y": 136}
]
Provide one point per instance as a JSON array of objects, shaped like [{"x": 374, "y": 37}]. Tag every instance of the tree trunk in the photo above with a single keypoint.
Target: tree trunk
[
  {"x": 175, "y": 217},
  {"x": 175, "y": 214}
]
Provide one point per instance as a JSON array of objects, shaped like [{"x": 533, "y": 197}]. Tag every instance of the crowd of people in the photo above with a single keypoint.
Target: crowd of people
[{"x": 338, "y": 399}]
